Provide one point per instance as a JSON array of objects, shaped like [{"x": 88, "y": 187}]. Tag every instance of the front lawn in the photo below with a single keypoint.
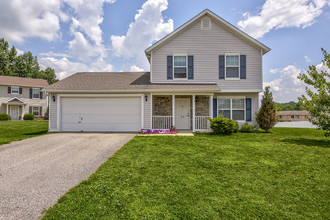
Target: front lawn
[
  {"x": 18, "y": 130},
  {"x": 278, "y": 175}
]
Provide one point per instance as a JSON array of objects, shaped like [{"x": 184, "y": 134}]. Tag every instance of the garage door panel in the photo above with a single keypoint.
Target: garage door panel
[{"x": 101, "y": 114}]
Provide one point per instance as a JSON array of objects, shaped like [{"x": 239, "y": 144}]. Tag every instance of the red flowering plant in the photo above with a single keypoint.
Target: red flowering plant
[{"x": 172, "y": 130}]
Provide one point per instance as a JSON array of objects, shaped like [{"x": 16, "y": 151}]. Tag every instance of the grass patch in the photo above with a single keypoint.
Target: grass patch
[
  {"x": 19, "y": 130},
  {"x": 279, "y": 175}
]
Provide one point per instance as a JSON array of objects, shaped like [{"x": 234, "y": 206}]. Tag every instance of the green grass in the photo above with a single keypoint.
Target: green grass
[
  {"x": 19, "y": 130},
  {"x": 279, "y": 175}
]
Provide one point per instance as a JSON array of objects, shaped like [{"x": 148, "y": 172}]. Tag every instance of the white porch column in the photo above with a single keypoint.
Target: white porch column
[
  {"x": 173, "y": 110},
  {"x": 7, "y": 109},
  {"x": 211, "y": 106},
  {"x": 22, "y": 111},
  {"x": 194, "y": 109}
]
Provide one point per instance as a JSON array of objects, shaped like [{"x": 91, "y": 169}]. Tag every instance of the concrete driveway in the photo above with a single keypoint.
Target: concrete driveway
[{"x": 36, "y": 172}]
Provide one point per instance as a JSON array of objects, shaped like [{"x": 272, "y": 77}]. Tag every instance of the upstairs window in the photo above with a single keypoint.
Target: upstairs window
[
  {"x": 14, "y": 90},
  {"x": 232, "y": 108},
  {"x": 206, "y": 24},
  {"x": 36, "y": 93},
  {"x": 232, "y": 66},
  {"x": 180, "y": 67}
]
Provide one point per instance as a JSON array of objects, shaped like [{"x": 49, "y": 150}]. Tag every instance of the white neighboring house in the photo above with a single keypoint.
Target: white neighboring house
[
  {"x": 19, "y": 96},
  {"x": 204, "y": 68}
]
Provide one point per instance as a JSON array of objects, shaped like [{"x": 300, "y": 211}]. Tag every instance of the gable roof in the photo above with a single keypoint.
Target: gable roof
[
  {"x": 120, "y": 82},
  {"x": 15, "y": 99},
  {"x": 218, "y": 19},
  {"x": 20, "y": 81}
]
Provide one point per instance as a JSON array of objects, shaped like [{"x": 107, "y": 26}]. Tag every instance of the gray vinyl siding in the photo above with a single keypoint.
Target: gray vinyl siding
[
  {"x": 206, "y": 46},
  {"x": 53, "y": 112},
  {"x": 254, "y": 98},
  {"x": 147, "y": 111}
]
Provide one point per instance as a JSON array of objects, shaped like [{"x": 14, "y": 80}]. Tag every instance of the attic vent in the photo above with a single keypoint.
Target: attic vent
[{"x": 206, "y": 24}]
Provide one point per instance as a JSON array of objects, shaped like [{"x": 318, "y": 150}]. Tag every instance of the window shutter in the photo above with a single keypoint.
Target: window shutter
[
  {"x": 243, "y": 66},
  {"x": 221, "y": 66},
  {"x": 40, "y": 95},
  {"x": 169, "y": 67},
  {"x": 248, "y": 103},
  {"x": 30, "y": 93},
  {"x": 9, "y": 90},
  {"x": 190, "y": 67},
  {"x": 215, "y": 108},
  {"x": 20, "y": 90},
  {"x": 40, "y": 111},
  {"x": 30, "y": 109}
]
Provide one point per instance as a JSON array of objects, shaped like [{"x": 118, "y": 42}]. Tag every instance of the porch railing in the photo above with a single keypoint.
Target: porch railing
[
  {"x": 202, "y": 123},
  {"x": 162, "y": 122}
]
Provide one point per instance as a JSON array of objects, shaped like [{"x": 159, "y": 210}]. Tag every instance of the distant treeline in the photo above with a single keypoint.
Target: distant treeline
[
  {"x": 25, "y": 65},
  {"x": 289, "y": 106}
]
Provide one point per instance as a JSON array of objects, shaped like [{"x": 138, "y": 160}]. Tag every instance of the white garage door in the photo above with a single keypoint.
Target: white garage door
[{"x": 101, "y": 114}]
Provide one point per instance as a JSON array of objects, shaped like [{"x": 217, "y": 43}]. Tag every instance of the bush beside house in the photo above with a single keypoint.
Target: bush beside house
[
  {"x": 4, "y": 117},
  {"x": 29, "y": 117},
  {"x": 220, "y": 125}
]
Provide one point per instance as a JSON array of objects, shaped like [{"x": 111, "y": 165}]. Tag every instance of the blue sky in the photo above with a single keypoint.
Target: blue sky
[{"x": 110, "y": 35}]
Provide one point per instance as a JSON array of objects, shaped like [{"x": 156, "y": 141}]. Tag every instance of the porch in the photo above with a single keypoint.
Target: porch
[{"x": 184, "y": 112}]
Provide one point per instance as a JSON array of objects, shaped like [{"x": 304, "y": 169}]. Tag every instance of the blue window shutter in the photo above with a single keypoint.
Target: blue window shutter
[
  {"x": 190, "y": 67},
  {"x": 243, "y": 66},
  {"x": 248, "y": 103},
  {"x": 221, "y": 66},
  {"x": 169, "y": 67},
  {"x": 215, "y": 108}
]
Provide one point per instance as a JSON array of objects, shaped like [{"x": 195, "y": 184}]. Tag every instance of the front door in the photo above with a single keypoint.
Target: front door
[
  {"x": 14, "y": 112},
  {"x": 182, "y": 113}
]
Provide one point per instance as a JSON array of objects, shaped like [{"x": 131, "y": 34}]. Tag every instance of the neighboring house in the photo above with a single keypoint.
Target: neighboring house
[
  {"x": 205, "y": 68},
  {"x": 293, "y": 115},
  {"x": 19, "y": 96}
]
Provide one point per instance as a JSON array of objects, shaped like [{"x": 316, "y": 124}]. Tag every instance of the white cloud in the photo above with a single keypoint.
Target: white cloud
[
  {"x": 277, "y": 14},
  {"x": 53, "y": 54},
  {"x": 135, "y": 68},
  {"x": 33, "y": 18},
  {"x": 307, "y": 59},
  {"x": 288, "y": 87},
  {"x": 149, "y": 25},
  {"x": 64, "y": 68}
]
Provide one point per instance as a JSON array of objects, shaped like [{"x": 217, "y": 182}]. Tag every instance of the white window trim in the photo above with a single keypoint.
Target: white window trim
[
  {"x": 11, "y": 90},
  {"x": 178, "y": 55},
  {"x": 33, "y": 93},
  {"x": 36, "y": 106},
  {"x": 231, "y": 106},
  {"x": 239, "y": 66},
  {"x": 202, "y": 26}
]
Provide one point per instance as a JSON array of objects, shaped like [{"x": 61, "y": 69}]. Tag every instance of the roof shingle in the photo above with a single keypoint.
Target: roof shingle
[
  {"x": 120, "y": 81},
  {"x": 20, "y": 81}
]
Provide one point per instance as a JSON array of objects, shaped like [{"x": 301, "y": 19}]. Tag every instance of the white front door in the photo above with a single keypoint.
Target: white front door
[
  {"x": 182, "y": 113},
  {"x": 14, "y": 112}
]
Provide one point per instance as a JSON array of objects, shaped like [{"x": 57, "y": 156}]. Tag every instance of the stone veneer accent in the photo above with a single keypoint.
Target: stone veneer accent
[
  {"x": 162, "y": 105},
  {"x": 202, "y": 106}
]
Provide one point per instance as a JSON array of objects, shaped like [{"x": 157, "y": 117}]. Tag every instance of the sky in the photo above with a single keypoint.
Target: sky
[{"x": 111, "y": 35}]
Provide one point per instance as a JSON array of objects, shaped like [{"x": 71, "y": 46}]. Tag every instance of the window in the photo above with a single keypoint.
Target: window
[
  {"x": 233, "y": 108},
  {"x": 292, "y": 116},
  {"x": 180, "y": 67},
  {"x": 14, "y": 90},
  {"x": 206, "y": 24},
  {"x": 297, "y": 116},
  {"x": 232, "y": 66},
  {"x": 35, "y": 110},
  {"x": 280, "y": 116},
  {"x": 36, "y": 93}
]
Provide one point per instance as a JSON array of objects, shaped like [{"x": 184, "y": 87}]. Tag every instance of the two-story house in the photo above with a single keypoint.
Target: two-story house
[
  {"x": 22, "y": 95},
  {"x": 205, "y": 68}
]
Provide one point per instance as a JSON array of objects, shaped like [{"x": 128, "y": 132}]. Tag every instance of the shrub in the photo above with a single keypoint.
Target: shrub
[
  {"x": 246, "y": 128},
  {"x": 28, "y": 117},
  {"x": 4, "y": 117},
  {"x": 266, "y": 116},
  {"x": 221, "y": 125}
]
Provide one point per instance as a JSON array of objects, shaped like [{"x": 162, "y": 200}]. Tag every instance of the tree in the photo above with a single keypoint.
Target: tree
[
  {"x": 25, "y": 65},
  {"x": 266, "y": 116},
  {"x": 318, "y": 103}
]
